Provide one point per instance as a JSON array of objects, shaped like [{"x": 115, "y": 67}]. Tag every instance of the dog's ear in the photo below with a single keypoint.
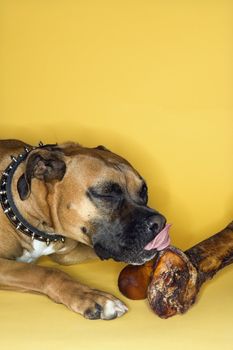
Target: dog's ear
[
  {"x": 102, "y": 148},
  {"x": 45, "y": 165}
]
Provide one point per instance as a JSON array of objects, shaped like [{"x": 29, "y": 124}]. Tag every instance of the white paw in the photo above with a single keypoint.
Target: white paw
[{"x": 113, "y": 309}]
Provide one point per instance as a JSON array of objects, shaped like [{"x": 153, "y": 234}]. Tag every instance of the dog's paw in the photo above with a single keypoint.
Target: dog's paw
[
  {"x": 95, "y": 304},
  {"x": 108, "y": 311},
  {"x": 105, "y": 306}
]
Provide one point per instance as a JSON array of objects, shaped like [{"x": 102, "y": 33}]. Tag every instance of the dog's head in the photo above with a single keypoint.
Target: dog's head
[{"x": 98, "y": 198}]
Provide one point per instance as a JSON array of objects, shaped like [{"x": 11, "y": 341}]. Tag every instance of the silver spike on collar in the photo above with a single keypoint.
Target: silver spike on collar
[{"x": 9, "y": 207}]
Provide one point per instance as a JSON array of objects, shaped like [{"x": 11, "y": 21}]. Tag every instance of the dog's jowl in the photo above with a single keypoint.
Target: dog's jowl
[{"x": 72, "y": 203}]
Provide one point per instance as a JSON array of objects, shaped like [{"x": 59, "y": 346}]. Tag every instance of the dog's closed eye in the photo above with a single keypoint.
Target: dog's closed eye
[{"x": 106, "y": 191}]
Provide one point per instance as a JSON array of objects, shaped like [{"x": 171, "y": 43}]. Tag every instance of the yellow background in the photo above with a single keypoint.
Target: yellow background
[{"x": 151, "y": 80}]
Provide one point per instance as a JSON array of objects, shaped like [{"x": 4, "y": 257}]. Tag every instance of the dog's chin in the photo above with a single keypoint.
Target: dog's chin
[
  {"x": 143, "y": 260},
  {"x": 127, "y": 257},
  {"x": 139, "y": 260}
]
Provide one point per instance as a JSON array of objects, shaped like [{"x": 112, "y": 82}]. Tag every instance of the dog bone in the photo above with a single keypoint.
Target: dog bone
[{"x": 172, "y": 280}]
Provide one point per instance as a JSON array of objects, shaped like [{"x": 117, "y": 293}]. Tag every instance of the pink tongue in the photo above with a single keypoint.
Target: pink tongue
[{"x": 161, "y": 241}]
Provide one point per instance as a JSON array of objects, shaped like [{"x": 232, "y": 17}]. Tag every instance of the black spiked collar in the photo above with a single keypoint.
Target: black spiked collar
[{"x": 9, "y": 207}]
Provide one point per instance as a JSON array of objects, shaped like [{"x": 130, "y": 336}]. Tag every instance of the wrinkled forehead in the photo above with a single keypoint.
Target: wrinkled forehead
[{"x": 95, "y": 167}]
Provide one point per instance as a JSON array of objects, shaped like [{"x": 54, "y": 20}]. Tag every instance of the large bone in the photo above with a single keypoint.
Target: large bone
[{"x": 174, "y": 278}]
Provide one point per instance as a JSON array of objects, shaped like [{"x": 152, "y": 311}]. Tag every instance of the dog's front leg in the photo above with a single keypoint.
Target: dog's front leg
[{"x": 61, "y": 288}]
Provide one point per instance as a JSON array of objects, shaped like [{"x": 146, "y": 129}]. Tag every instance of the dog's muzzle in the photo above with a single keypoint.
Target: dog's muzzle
[{"x": 126, "y": 240}]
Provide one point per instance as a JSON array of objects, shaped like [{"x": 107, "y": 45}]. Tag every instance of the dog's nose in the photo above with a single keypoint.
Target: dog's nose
[{"x": 156, "y": 223}]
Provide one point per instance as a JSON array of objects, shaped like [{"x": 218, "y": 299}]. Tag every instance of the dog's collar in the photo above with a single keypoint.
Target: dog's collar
[{"x": 9, "y": 206}]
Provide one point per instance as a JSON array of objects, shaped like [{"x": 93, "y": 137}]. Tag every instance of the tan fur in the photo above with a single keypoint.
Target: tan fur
[{"x": 60, "y": 207}]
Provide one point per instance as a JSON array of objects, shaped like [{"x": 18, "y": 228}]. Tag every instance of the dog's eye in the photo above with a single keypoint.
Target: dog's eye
[
  {"x": 111, "y": 190},
  {"x": 108, "y": 192},
  {"x": 143, "y": 193}
]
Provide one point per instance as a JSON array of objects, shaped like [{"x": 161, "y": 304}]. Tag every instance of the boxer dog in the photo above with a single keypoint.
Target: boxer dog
[{"x": 72, "y": 203}]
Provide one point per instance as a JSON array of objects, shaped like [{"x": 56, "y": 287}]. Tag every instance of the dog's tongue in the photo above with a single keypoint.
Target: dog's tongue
[{"x": 161, "y": 241}]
